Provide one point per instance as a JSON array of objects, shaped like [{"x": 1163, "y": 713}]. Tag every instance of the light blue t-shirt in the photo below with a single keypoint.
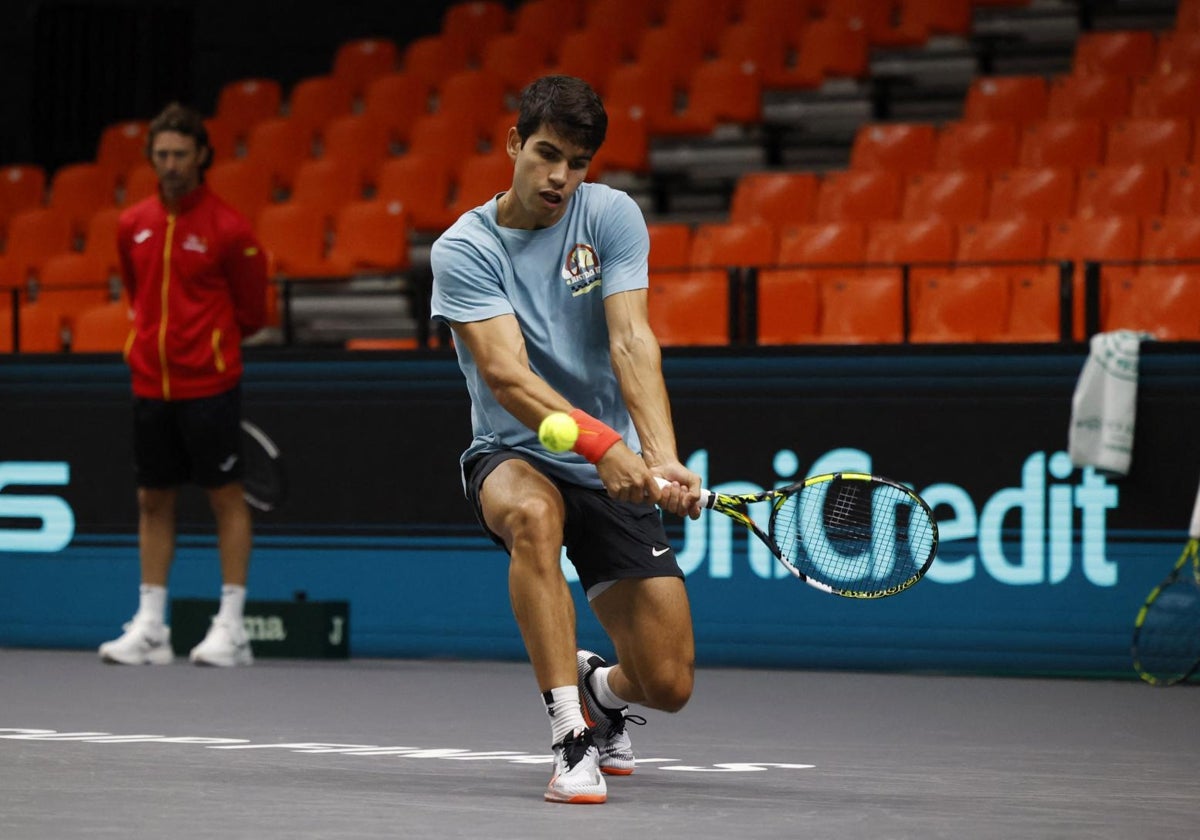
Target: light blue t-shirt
[{"x": 554, "y": 281}]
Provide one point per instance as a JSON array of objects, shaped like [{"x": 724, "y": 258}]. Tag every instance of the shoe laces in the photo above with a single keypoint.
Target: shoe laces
[
  {"x": 575, "y": 747},
  {"x": 622, "y": 718}
]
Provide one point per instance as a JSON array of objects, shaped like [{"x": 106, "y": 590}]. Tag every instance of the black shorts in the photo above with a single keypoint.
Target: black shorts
[
  {"x": 606, "y": 539},
  {"x": 178, "y": 441}
]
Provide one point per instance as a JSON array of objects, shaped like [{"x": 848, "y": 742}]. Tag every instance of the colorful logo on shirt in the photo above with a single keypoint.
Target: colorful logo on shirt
[
  {"x": 195, "y": 243},
  {"x": 582, "y": 270}
]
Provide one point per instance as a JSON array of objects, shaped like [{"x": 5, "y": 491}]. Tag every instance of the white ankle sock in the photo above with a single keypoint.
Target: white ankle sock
[
  {"x": 604, "y": 693},
  {"x": 233, "y": 604},
  {"x": 152, "y": 602},
  {"x": 562, "y": 704}
]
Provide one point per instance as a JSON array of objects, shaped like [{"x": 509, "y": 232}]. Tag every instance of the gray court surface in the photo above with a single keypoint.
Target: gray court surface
[{"x": 425, "y": 749}]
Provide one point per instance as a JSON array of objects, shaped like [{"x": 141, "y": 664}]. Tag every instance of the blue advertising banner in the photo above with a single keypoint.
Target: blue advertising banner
[{"x": 1041, "y": 567}]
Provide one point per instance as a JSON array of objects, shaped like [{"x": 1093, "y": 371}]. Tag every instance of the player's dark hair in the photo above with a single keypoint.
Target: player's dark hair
[
  {"x": 566, "y": 105},
  {"x": 185, "y": 121}
]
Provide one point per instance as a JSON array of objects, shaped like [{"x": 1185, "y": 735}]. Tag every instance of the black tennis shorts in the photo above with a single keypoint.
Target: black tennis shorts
[
  {"x": 606, "y": 539},
  {"x": 178, "y": 441}
]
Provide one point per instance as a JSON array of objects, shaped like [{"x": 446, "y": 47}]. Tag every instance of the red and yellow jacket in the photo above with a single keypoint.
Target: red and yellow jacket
[{"x": 197, "y": 280}]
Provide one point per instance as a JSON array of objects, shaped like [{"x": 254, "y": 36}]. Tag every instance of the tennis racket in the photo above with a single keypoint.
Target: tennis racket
[
  {"x": 1166, "y": 632},
  {"x": 264, "y": 482},
  {"x": 850, "y": 534}
]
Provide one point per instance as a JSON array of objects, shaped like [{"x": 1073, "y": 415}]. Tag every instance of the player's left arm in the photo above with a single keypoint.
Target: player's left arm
[
  {"x": 245, "y": 266},
  {"x": 637, "y": 361}
]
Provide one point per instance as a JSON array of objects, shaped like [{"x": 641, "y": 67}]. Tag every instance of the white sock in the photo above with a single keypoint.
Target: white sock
[
  {"x": 152, "y": 602},
  {"x": 604, "y": 693},
  {"x": 562, "y": 704},
  {"x": 233, "y": 604}
]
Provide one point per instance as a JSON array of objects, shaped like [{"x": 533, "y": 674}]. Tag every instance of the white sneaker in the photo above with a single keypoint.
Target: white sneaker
[
  {"x": 225, "y": 645},
  {"x": 607, "y": 725},
  {"x": 144, "y": 642},
  {"x": 577, "y": 779}
]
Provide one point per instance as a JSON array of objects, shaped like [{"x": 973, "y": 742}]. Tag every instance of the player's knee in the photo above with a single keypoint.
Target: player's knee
[
  {"x": 534, "y": 518},
  {"x": 669, "y": 689}
]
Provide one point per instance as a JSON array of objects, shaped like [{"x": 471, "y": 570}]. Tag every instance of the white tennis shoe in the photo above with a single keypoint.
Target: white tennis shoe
[
  {"x": 577, "y": 779},
  {"x": 144, "y": 642},
  {"x": 608, "y": 725},
  {"x": 225, "y": 646}
]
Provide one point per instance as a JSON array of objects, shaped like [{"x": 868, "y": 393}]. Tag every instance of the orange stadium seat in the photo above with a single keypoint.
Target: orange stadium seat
[
  {"x": 102, "y": 329},
  {"x": 443, "y": 135},
  {"x": 904, "y": 147},
  {"x": 242, "y": 183},
  {"x": 942, "y": 17},
  {"x": 432, "y": 58},
  {"x": 358, "y": 62},
  {"x": 977, "y": 144},
  {"x": 397, "y": 101},
  {"x": 515, "y": 60},
  {"x": 1126, "y": 52},
  {"x": 787, "y": 16},
  {"x": 1171, "y": 238},
  {"x": 471, "y": 24},
  {"x": 690, "y": 309},
  {"x": 421, "y": 183},
  {"x": 224, "y": 140},
  {"x": 1019, "y": 98},
  {"x": 823, "y": 243},
  {"x": 1174, "y": 94},
  {"x": 100, "y": 241},
  {"x": 724, "y": 244},
  {"x": 22, "y": 187},
  {"x": 1089, "y": 96},
  {"x": 723, "y": 92},
  {"x": 779, "y": 198},
  {"x": 40, "y": 328},
  {"x": 670, "y": 245},
  {"x": 827, "y": 48},
  {"x": 788, "y": 306},
  {"x": 141, "y": 183},
  {"x": 294, "y": 236},
  {"x": 970, "y": 305},
  {"x": 1044, "y": 193},
  {"x": 1035, "y": 300},
  {"x": 34, "y": 235},
  {"x": 1107, "y": 238},
  {"x": 639, "y": 89},
  {"x": 699, "y": 21},
  {"x": 542, "y": 22},
  {"x": 891, "y": 25},
  {"x": 279, "y": 146},
  {"x": 1002, "y": 240},
  {"x": 1062, "y": 142},
  {"x": 70, "y": 283},
  {"x": 859, "y": 195},
  {"x": 316, "y": 100},
  {"x": 80, "y": 189},
  {"x": 629, "y": 15},
  {"x": 590, "y": 55},
  {"x": 360, "y": 140},
  {"x": 861, "y": 309},
  {"x": 957, "y": 195},
  {"x": 242, "y": 103},
  {"x": 1161, "y": 300},
  {"x": 926, "y": 242},
  {"x": 122, "y": 147},
  {"x": 1133, "y": 190},
  {"x": 326, "y": 185},
  {"x": 766, "y": 46},
  {"x": 370, "y": 236},
  {"x": 1187, "y": 15},
  {"x": 478, "y": 179},
  {"x": 626, "y": 146},
  {"x": 1183, "y": 191},
  {"x": 1154, "y": 141},
  {"x": 667, "y": 55},
  {"x": 1178, "y": 51},
  {"x": 474, "y": 98}
]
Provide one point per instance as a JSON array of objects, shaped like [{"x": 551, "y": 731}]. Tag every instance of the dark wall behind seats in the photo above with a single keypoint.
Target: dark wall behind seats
[{"x": 73, "y": 66}]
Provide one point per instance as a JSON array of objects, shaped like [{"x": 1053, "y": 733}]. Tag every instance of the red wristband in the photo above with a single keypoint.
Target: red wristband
[{"x": 595, "y": 438}]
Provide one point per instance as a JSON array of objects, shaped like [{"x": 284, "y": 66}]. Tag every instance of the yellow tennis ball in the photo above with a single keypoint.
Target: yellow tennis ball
[{"x": 558, "y": 432}]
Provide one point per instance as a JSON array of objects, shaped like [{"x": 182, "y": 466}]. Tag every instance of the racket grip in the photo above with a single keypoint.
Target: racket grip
[{"x": 707, "y": 497}]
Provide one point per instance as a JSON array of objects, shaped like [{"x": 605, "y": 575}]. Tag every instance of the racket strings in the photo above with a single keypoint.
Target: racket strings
[
  {"x": 855, "y": 534},
  {"x": 1167, "y": 647}
]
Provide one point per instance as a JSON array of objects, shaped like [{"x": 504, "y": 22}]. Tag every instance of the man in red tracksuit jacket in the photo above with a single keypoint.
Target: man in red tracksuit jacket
[{"x": 197, "y": 279}]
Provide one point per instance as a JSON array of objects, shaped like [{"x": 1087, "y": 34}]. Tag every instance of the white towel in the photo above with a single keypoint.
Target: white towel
[{"x": 1104, "y": 405}]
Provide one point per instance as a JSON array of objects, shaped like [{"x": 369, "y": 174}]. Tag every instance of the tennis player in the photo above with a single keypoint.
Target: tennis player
[{"x": 544, "y": 287}]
